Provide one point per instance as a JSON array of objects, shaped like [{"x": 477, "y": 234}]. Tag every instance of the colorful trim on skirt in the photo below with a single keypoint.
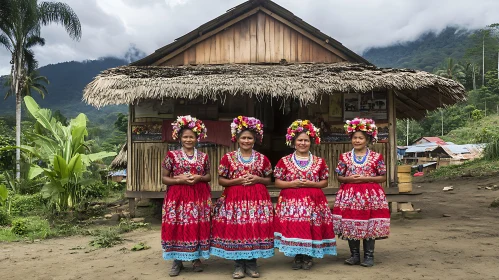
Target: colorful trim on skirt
[
  {"x": 361, "y": 212},
  {"x": 314, "y": 248}
]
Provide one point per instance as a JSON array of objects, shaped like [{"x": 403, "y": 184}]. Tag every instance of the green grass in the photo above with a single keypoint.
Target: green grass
[
  {"x": 474, "y": 168},
  {"x": 480, "y": 131}
]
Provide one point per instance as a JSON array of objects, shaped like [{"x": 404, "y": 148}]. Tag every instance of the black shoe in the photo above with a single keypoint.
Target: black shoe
[
  {"x": 176, "y": 267},
  {"x": 297, "y": 262},
  {"x": 307, "y": 262},
  {"x": 368, "y": 252},
  {"x": 239, "y": 268},
  {"x": 197, "y": 266},
  {"x": 251, "y": 268},
  {"x": 354, "y": 252}
]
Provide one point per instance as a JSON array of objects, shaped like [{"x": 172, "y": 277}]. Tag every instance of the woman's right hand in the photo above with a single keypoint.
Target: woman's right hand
[
  {"x": 295, "y": 184},
  {"x": 183, "y": 179}
]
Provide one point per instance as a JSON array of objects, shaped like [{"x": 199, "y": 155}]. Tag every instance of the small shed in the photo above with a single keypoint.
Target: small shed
[{"x": 259, "y": 59}]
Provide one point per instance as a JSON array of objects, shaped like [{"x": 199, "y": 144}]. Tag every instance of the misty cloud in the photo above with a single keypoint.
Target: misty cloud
[{"x": 111, "y": 27}]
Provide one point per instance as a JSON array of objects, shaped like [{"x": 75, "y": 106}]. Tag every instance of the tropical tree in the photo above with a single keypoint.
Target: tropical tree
[
  {"x": 62, "y": 156},
  {"x": 32, "y": 82},
  {"x": 451, "y": 70},
  {"x": 20, "y": 26}
]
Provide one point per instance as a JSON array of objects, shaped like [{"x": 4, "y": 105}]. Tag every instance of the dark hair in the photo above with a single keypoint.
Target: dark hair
[
  {"x": 368, "y": 137},
  {"x": 257, "y": 138}
]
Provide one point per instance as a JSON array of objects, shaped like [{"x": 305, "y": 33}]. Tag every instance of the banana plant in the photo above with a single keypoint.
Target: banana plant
[{"x": 63, "y": 151}]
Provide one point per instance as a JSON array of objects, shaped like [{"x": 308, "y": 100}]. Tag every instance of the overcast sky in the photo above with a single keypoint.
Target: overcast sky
[{"x": 110, "y": 27}]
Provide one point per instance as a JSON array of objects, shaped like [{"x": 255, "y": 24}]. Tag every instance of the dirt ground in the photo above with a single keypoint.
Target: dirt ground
[{"x": 463, "y": 245}]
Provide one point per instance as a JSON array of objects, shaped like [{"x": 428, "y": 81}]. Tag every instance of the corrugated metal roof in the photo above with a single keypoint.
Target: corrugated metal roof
[
  {"x": 421, "y": 148},
  {"x": 118, "y": 173},
  {"x": 425, "y": 164}
]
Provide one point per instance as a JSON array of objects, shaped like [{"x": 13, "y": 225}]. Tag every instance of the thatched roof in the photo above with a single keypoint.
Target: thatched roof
[
  {"x": 120, "y": 161},
  {"x": 416, "y": 91}
]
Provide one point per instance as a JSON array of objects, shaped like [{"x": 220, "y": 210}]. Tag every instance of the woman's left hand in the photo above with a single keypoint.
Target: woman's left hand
[{"x": 250, "y": 179}]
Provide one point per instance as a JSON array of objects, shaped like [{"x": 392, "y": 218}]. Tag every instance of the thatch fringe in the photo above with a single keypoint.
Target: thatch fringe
[
  {"x": 306, "y": 82},
  {"x": 120, "y": 161}
]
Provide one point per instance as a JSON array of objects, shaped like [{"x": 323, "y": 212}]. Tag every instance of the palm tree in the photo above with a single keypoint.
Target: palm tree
[
  {"x": 451, "y": 70},
  {"x": 31, "y": 82},
  {"x": 20, "y": 27}
]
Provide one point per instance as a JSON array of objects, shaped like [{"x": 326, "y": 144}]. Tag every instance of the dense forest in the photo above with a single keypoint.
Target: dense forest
[{"x": 469, "y": 57}]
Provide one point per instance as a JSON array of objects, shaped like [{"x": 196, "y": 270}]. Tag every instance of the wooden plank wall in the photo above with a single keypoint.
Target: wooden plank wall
[
  {"x": 147, "y": 157},
  {"x": 258, "y": 39}
]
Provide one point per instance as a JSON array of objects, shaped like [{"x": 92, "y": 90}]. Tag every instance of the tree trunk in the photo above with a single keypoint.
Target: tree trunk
[{"x": 15, "y": 81}]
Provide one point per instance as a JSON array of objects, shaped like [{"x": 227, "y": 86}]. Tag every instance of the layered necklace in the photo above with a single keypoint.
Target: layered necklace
[
  {"x": 244, "y": 161},
  {"x": 360, "y": 160},
  {"x": 302, "y": 163},
  {"x": 190, "y": 159}
]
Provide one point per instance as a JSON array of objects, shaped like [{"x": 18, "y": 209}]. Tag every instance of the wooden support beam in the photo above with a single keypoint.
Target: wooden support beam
[
  {"x": 392, "y": 140},
  {"x": 129, "y": 148}
]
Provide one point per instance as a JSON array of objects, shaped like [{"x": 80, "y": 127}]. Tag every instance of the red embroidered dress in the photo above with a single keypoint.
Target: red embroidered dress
[
  {"x": 242, "y": 219},
  {"x": 303, "y": 221},
  {"x": 361, "y": 210},
  {"x": 185, "y": 229}
]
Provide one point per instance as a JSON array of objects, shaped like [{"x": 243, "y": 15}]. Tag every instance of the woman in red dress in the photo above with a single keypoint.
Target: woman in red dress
[
  {"x": 242, "y": 220},
  {"x": 303, "y": 220},
  {"x": 185, "y": 229},
  {"x": 361, "y": 210}
]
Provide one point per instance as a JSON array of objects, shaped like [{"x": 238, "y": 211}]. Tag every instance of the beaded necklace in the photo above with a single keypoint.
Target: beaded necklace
[
  {"x": 303, "y": 165},
  {"x": 362, "y": 161},
  {"x": 243, "y": 160},
  {"x": 190, "y": 159}
]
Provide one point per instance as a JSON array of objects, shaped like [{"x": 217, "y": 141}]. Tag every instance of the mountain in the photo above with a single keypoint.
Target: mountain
[
  {"x": 65, "y": 90},
  {"x": 426, "y": 53}
]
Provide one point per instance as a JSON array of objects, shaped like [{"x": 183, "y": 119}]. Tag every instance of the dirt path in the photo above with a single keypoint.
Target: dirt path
[{"x": 462, "y": 246}]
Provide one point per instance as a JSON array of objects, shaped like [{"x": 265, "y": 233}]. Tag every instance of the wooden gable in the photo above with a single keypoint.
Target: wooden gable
[{"x": 258, "y": 36}]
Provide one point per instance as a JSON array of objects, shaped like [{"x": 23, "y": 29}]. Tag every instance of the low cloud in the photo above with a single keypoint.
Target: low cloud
[{"x": 110, "y": 27}]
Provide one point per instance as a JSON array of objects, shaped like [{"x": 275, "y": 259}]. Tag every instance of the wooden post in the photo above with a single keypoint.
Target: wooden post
[
  {"x": 392, "y": 137},
  {"x": 131, "y": 206},
  {"x": 129, "y": 150},
  {"x": 129, "y": 171}
]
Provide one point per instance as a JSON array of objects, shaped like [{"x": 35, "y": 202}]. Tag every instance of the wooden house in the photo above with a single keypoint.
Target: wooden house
[{"x": 259, "y": 59}]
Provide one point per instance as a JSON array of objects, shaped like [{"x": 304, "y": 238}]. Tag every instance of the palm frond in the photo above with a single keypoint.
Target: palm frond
[
  {"x": 29, "y": 60},
  {"x": 35, "y": 40},
  {"x": 4, "y": 41},
  {"x": 58, "y": 12}
]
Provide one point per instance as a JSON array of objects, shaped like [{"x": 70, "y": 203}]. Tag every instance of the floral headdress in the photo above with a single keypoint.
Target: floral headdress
[
  {"x": 359, "y": 124},
  {"x": 197, "y": 126},
  {"x": 299, "y": 126},
  {"x": 246, "y": 123}
]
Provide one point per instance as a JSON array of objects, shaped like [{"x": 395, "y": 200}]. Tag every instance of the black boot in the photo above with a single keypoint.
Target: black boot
[
  {"x": 176, "y": 267},
  {"x": 354, "y": 252},
  {"x": 239, "y": 268},
  {"x": 307, "y": 262},
  {"x": 368, "y": 252},
  {"x": 251, "y": 268}
]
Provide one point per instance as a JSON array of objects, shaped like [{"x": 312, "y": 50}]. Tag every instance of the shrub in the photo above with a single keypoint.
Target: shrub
[
  {"x": 31, "y": 227},
  {"x": 20, "y": 226},
  {"x": 26, "y": 205},
  {"x": 491, "y": 151},
  {"x": 5, "y": 219},
  {"x": 97, "y": 190}
]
